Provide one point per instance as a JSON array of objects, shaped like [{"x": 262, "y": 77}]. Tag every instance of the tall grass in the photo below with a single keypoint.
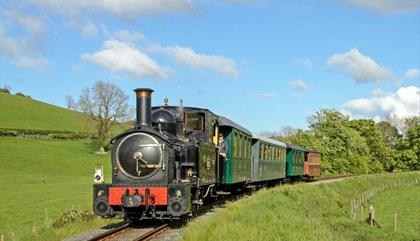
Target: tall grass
[{"x": 298, "y": 212}]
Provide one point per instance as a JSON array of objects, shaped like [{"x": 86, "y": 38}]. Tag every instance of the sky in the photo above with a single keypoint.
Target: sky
[{"x": 264, "y": 64}]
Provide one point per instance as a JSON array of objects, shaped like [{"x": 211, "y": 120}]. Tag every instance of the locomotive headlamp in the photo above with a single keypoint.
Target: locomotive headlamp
[
  {"x": 98, "y": 177},
  {"x": 100, "y": 193}
]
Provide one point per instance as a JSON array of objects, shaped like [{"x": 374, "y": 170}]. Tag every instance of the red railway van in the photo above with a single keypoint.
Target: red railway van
[{"x": 312, "y": 165}]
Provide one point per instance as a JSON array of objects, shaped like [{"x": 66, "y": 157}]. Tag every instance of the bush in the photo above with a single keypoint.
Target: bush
[
  {"x": 71, "y": 216},
  {"x": 4, "y": 90},
  {"x": 45, "y": 134},
  {"x": 20, "y": 94}
]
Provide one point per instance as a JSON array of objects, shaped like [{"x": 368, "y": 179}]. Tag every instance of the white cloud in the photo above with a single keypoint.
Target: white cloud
[
  {"x": 361, "y": 68},
  {"x": 24, "y": 53},
  {"x": 304, "y": 63},
  {"x": 122, "y": 57},
  {"x": 89, "y": 30},
  {"x": 412, "y": 73},
  {"x": 386, "y": 106},
  {"x": 266, "y": 95},
  {"x": 130, "y": 9},
  {"x": 299, "y": 85},
  {"x": 188, "y": 56},
  {"x": 123, "y": 35},
  {"x": 34, "y": 25},
  {"x": 387, "y": 6}
]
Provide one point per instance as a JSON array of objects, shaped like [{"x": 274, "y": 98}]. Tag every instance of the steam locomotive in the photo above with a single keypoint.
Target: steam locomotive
[{"x": 168, "y": 165}]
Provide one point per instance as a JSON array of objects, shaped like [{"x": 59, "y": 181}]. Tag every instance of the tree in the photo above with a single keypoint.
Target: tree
[
  {"x": 409, "y": 152},
  {"x": 106, "y": 104},
  {"x": 390, "y": 134},
  {"x": 71, "y": 104},
  {"x": 379, "y": 152},
  {"x": 344, "y": 149}
]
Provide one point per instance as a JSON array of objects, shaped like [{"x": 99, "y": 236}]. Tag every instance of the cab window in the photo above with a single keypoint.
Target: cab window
[{"x": 194, "y": 121}]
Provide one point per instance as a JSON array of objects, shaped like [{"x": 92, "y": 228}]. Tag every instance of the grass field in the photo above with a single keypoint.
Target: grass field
[
  {"x": 24, "y": 113},
  {"x": 302, "y": 212},
  {"x": 404, "y": 201},
  {"x": 44, "y": 178}
]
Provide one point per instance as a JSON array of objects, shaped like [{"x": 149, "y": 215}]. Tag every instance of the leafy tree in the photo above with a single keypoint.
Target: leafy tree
[
  {"x": 409, "y": 152},
  {"x": 390, "y": 134},
  {"x": 378, "y": 151},
  {"x": 344, "y": 149},
  {"x": 106, "y": 104},
  {"x": 407, "y": 123}
]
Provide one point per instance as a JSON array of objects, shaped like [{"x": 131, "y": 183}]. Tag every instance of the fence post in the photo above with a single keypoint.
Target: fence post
[
  {"x": 371, "y": 215},
  {"x": 395, "y": 221},
  {"x": 361, "y": 213}
]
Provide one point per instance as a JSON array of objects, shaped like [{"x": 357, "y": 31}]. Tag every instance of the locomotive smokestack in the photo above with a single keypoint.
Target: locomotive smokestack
[{"x": 144, "y": 106}]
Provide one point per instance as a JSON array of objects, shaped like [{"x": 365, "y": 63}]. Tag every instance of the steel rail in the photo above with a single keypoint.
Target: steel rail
[
  {"x": 153, "y": 233},
  {"x": 111, "y": 233}
]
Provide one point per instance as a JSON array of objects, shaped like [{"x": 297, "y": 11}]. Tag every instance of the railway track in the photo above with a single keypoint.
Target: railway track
[
  {"x": 137, "y": 232},
  {"x": 132, "y": 233}
]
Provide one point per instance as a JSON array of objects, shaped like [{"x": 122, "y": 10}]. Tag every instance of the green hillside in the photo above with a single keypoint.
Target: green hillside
[
  {"x": 40, "y": 179},
  {"x": 44, "y": 178},
  {"x": 17, "y": 112}
]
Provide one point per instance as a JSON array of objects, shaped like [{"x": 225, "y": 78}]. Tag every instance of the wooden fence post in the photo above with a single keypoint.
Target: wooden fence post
[
  {"x": 371, "y": 215},
  {"x": 395, "y": 221}
]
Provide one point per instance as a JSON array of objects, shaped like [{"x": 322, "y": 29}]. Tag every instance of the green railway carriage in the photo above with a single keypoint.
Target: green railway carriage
[
  {"x": 295, "y": 158},
  {"x": 237, "y": 167},
  {"x": 268, "y": 159}
]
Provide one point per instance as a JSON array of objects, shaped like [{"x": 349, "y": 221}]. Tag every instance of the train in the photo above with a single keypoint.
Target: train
[{"x": 168, "y": 166}]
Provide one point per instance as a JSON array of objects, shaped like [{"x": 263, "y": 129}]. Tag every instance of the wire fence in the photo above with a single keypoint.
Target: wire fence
[{"x": 357, "y": 203}]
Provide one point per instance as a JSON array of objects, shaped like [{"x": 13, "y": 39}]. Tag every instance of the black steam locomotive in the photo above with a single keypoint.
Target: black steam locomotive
[{"x": 168, "y": 165}]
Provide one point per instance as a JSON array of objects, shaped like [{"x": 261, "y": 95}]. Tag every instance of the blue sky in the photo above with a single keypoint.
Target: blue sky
[{"x": 264, "y": 64}]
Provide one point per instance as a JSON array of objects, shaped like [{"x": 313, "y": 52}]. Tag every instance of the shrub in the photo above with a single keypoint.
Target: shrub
[{"x": 4, "y": 90}]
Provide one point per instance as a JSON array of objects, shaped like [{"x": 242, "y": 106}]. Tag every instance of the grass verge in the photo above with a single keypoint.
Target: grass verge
[
  {"x": 42, "y": 179},
  {"x": 405, "y": 202},
  {"x": 300, "y": 212}
]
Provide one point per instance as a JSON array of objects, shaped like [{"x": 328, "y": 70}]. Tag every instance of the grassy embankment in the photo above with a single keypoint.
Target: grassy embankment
[
  {"x": 23, "y": 113},
  {"x": 39, "y": 178},
  {"x": 305, "y": 212}
]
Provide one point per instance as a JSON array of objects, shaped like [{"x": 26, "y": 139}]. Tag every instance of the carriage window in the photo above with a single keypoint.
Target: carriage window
[
  {"x": 239, "y": 146},
  {"x": 194, "y": 121},
  {"x": 249, "y": 149},
  {"x": 265, "y": 151},
  {"x": 273, "y": 152},
  {"x": 243, "y": 144},
  {"x": 276, "y": 150},
  {"x": 235, "y": 145}
]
